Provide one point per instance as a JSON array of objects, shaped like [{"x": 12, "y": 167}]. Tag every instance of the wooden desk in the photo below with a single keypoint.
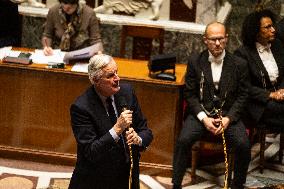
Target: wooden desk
[{"x": 34, "y": 110}]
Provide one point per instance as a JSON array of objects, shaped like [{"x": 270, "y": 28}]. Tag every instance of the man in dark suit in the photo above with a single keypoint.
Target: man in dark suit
[
  {"x": 215, "y": 79},
  {"x": 100, "y": 119},
  {"x": 265, "y": 57}
]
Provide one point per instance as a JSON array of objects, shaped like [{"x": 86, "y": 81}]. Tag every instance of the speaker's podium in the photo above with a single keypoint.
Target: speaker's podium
[{"x": 35, "y": 120}]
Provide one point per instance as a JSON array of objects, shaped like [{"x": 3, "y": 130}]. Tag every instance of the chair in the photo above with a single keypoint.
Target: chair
[
  {"x": 213, "y": 141},
  {"x": 262, "y": 131},
  {"x": 142, "y": 40}
]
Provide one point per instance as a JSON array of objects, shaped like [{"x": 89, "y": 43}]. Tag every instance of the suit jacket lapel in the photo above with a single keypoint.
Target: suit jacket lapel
[
  {"x": 205, "y": 66},
  {"x": 259, "y": 64},
  {"x": 277, "y": 56},
  {"x": 99, "y": 110},
  {"x": 226, "y": 75},
  {"x": 117, "y": 104}
]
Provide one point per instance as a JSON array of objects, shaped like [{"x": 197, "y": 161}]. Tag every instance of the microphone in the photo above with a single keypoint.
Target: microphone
[
  {"x": 124, "y": 106},
  {"x": 122, "y": 103}
]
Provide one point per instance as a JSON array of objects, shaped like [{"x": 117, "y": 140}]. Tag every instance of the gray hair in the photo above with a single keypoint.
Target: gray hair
[{"x": 96, "y": 65}]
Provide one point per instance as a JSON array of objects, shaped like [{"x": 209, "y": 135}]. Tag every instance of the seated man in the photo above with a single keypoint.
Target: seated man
[
  {"x": 215, "y": 79},
  {"x": 265, "y": 57}
]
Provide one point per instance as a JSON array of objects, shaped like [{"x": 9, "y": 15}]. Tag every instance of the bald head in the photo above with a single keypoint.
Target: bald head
[
  {"x": 215, "y": 38},
  {"x": 213, "y": 27}
]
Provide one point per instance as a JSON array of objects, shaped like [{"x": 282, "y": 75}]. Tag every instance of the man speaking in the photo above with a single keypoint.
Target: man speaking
[{"x": 110, "y": 131}]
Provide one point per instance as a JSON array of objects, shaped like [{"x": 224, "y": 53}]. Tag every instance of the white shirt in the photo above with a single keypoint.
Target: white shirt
[
  {"x": 216, "y": 68},
  {"x": 268, "y": 61}
]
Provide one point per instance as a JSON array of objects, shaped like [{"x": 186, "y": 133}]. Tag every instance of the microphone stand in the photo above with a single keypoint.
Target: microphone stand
[
  {"x": 131, "y": 158},
  {"x": 131, "y": 165}
]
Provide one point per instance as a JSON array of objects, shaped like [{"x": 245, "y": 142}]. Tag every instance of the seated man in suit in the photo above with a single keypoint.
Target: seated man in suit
[
  {"x": 101, "y": 118},
  {"x": 265, "y": 57},
  {"x": 215, "y": 79}
]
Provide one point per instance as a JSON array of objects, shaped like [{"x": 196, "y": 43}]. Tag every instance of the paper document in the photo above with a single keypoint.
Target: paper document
[
  {"x": 84, "y": 53},
  {"x": 80, "y": 67},
  {"x": 7, "y": 51},
  {"x": 38, "y": 57}
]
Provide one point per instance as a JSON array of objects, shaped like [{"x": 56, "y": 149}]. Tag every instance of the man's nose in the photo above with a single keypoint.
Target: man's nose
[
  {"x": 273, "y": 29},
  {"x": 217, "y": 42},
  {"x": 116, "y": 76}
]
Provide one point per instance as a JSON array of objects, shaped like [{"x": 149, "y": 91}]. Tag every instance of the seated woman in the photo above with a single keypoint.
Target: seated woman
[
  {"x": 72, "y": 26},
  {"x": 264, "y": 54}
]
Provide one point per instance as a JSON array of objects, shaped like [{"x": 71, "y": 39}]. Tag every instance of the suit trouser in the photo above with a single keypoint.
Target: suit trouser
[
  {"x": 273, "y": 116},
  {"x": 193, "y": 130}
]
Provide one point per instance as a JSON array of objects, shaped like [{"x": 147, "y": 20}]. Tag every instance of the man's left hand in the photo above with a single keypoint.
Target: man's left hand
[
  {"x": 132, "y": 137},
  {"x": 224, "y": 125}
]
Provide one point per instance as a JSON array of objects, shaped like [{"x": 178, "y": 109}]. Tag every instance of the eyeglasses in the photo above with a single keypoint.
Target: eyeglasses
[
  {"x": 268, "y": 27},
  {"x": 214, "y": 40}
]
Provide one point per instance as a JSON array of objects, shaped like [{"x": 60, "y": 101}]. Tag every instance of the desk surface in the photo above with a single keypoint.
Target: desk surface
[{"x": 128, "y": 69}]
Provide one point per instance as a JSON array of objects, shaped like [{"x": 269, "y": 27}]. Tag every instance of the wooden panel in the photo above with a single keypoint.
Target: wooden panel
[
  {"x": 184, "y": 13},
  {"x": 35, "y": 102},
  {"x": 142, "y": 40}
]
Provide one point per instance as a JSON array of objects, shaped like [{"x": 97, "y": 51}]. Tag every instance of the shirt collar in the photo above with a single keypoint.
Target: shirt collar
[
  {"x": 218, "y": 59},
  {"x": 261, "y": 48},
  {"x": 103, "y": 98}
]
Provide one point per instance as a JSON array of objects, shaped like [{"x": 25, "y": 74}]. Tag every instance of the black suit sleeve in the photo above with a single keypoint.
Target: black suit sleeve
[
  {"x": 191, "y": 91},
  {"x": 91, "y": 145},
  {"x": 242, "y": 82},
  {"x": 255, "y": 91}
]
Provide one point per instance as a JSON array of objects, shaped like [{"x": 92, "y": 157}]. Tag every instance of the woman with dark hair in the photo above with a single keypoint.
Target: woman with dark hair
[
  {"x": 70, "y": 26},
  {"x": 265, "y": 57},
  {"x": 251, "y": 26}
]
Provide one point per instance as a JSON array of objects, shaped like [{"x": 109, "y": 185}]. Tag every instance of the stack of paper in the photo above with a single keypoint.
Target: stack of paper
[
  {"x": 38, "y": 57},
  {"x": 80, "y": 67},
  {"x": 5, "y": 51}
]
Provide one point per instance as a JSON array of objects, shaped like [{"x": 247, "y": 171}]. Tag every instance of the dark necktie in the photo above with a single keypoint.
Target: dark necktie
[{"x": 111, "y": 112}]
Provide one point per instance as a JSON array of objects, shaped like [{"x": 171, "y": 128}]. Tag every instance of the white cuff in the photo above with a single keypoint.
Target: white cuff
[
  {"x": 140, "y": 141},
  {"x": 113, "y": 134},
  {"x": 201, "y": 115}
]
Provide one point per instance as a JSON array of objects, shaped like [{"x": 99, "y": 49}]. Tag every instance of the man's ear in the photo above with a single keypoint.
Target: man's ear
[
  {"x": 227, "y": 37},
  {"x": 94, "y": 81},
  {"x": 205, "y": 40}
]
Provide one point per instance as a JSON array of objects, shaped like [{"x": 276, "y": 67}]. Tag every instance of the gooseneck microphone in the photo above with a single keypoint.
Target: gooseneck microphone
[
  {"x": 124, "y": 106},
  {"x": 122, "y": 103}
]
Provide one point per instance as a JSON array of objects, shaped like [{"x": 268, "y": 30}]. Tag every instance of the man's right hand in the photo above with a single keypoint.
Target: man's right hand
[
  {"x": 124, "y": 121},
  {"x": 209, "y": 124}
]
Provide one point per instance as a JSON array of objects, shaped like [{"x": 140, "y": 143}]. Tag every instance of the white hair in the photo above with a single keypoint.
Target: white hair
[{"x": 96, "y": 65}]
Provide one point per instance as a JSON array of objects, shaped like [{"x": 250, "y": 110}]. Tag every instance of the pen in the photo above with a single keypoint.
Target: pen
[
  {"x": 48, "y": 50},
  {"x": 45, "y": 42}
]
